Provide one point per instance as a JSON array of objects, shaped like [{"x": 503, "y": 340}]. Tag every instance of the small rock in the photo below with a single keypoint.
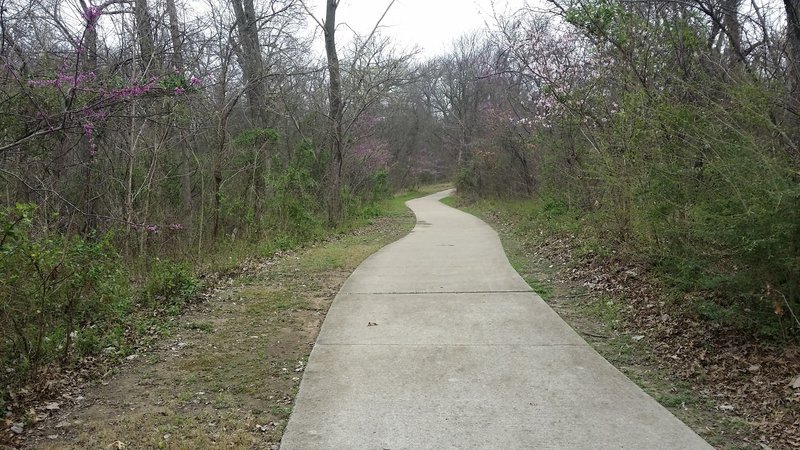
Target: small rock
[
  {"x": 795, "y": 384},
  {"x": 52, "y": 436},
  {"x": 638, "y": 337},
  {"x": 131, "y": 357},
  {"x": 725, "y": 407},
  {"x": 52, "y": 406},
  {"x": 62, "y": 424},
  {"x": 754, "y": 368},
  {"x": 109, "y": 350},
  {"x": 18, "y": 428}
]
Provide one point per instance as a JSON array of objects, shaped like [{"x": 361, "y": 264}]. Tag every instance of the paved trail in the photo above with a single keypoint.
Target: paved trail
[{"x": 464, "y": 355}]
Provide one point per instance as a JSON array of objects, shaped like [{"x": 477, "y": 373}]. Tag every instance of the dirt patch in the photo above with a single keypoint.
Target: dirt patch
[
  {"x": 730, "y": 387},
  {"x": 227, "y": 373}
]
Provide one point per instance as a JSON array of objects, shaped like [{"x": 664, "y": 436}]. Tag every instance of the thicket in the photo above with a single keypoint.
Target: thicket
[
  {"x": 144, "y": 146},
  {"x": 664, "y": 130}
]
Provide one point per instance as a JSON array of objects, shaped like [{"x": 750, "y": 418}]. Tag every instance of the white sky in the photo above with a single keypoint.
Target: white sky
[{"x": 431, "y": 25}]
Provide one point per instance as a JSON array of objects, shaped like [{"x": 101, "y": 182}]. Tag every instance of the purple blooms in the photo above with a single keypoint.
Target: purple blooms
[
  {"x": 179, "y": 90},
  {"x": 88, "y": 131},
  {"x": 95, "y": 114},
  {"x": 372, "y": 155},
  {"x": 132, "y": 91},
  {"x": 195, "y": 82},
  {"x": 63, "y": 79},
  {"x": 90, "y": 15}
]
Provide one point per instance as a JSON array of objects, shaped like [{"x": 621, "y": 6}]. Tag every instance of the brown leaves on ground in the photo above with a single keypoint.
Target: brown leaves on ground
[
  {"x": 734, "y": 371},
  {"x": 748, "y": 388}
]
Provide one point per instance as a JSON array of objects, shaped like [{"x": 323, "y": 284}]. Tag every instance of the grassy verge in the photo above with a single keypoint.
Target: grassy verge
[
  {"x": 224, "y": 373},
  {"x": 667, "y": 351}
]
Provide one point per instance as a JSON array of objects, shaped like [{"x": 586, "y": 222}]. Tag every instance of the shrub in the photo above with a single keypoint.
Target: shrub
[
  {"x": 170, "y": 284},
  {"x": 51, "y": 287}
]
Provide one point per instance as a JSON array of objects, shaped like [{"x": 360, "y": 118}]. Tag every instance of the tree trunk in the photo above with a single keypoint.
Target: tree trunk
[
  {"x": 733, "y": 30},
  {"x": 251, "y": 61},
  {"x": 217, "y": 198},
  {"x": 336, "y": 113},
  {"x": 86, "y": 156},
  {"x": 175, "y": 37},
  {"x": 793, "y": 32},
  {"x": 144, "y": 33},
  {"x": 186, "y": 154}
]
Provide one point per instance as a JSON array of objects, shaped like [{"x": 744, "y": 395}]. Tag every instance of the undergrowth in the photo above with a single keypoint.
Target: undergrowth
[
  {"x": 701, "y": 293},
  {"x": 64, "y": 299}
]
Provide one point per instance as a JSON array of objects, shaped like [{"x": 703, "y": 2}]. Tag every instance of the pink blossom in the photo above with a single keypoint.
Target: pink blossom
[
  {"x": 63, "y": 79},
  {"x": 90, "y": 15},
  {"x": 132, "y": 91},
  {"x": 179, "y": 90},
  {"x": 195, "y": 82}
]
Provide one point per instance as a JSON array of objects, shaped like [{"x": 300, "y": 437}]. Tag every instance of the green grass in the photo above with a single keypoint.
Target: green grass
[
  {"x": 450, "y": 201},
  {"x": 201, "y": 326},
  {"x": 606, "y": 310}
]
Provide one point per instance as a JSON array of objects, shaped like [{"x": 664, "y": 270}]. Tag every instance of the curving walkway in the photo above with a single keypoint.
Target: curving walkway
[{"x": 464, "y": 355}]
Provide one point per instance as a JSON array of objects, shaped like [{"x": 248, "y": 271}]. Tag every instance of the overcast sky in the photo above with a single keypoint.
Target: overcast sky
[{"x": 430, "y": 25}]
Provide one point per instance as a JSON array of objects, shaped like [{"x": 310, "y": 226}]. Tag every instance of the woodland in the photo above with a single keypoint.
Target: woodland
[{"x": 147, "y": 143}]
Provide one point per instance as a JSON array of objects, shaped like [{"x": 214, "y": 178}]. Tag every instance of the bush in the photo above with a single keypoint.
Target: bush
[
  {"x": 170, "y": 285},
  {"x": 292, "y": 210},
  {"x": 50, "y": 288}
]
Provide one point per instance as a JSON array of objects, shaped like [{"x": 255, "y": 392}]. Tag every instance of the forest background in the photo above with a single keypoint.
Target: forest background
[{"x": 144, "y": 148}]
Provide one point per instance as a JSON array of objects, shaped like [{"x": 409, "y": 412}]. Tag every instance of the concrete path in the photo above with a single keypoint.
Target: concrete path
[{"x": 464, "y": 355}]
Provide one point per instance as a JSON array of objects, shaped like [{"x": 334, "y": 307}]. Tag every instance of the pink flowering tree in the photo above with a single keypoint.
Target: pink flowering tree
[
  {"x": 369, "y": 158},
  {"x": 65, "y": 112}
]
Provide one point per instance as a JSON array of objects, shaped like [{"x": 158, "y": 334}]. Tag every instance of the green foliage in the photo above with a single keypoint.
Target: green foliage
[
  {"x": 254, "y": 136},
  {"x": 467, "y": 180},
  {"x": 170, "y": 284},
  {"x": 658, "y": 155},
  {"x": 174, "y": 80},
  {"x": 380, "y": 185},
  {"x": 292, "y": 208},
  {"x": 52, "y": 288},
  {"x": 600, "y": 17}
]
